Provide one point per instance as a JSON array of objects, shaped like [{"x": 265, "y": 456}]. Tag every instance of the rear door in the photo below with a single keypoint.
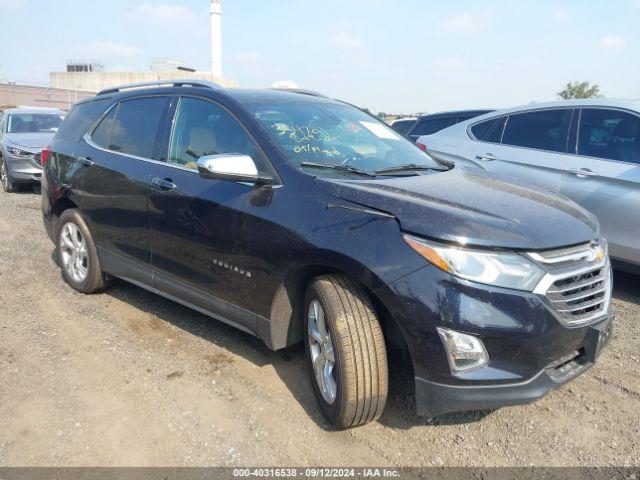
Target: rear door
[
  {"x": 206, "y": 233},
  {"x": 110, "y": 176},
  {"x": 603, "y": 175},
  {"x": 530, "y": 146}
]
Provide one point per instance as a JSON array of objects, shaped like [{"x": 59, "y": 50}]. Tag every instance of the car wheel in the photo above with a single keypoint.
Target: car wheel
[
  {"x": 7, "y": 185},
  {"x": 77, "y": 254},
  {"x": 345, "y": 350}
]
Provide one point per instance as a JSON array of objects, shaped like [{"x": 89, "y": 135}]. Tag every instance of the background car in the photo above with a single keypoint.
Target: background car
[
  {"x": 430, "y": 124},
  {"x": 403, "y": 125},
  {"x": 24, "y": 132},
  {"x": 587, "y": 150}
]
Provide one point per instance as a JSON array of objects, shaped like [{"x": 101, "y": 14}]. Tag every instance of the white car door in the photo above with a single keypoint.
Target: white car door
[{"x": 604, "y": 176}]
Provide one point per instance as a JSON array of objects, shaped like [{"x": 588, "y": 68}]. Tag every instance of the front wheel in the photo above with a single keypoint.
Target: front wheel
[
  {"x": 7, "y": 184},
  {"x": 345, "y": 350}
]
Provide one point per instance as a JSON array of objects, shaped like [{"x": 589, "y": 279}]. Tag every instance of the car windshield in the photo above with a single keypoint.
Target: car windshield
[
  {"x": 33, "y": 122},
  {"x": 318, "y": 134}
]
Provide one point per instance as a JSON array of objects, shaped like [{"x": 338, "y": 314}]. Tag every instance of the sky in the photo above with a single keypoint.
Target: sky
[{"x": 395, "y": 56}]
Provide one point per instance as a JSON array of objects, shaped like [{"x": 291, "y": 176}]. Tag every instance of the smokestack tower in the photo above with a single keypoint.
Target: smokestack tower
[{"x": 216, "y": 38}]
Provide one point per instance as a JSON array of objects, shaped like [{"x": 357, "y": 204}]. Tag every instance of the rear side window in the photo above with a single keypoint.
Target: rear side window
[
  {"x": 81, "y": 117},
  {"x": 131, "y": 126},
  {"x": 609, "y": 134},
  {"x": 489, "y": 130},
  {"x": 542, "y": 130},
  {"x": 434, "y": 125}
]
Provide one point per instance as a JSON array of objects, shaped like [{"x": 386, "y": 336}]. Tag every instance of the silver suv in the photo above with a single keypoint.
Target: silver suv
[
  {"x": 587, "y": 150},
  {"x": 24, "y": 132}
]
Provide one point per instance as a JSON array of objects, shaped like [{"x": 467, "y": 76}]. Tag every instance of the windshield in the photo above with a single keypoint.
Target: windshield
[
  {"x": 337, "y": 134},
  {"x": 33, "y": 122}
]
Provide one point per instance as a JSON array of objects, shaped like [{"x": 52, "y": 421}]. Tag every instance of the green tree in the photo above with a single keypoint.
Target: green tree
[{"x": 580, "y": 90}]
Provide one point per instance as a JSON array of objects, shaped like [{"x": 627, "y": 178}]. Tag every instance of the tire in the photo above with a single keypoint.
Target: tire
[
  {"x": 359, "y": 371},
  {"x": 85, "y": 274},
  {"x": 8, "y": 185}
]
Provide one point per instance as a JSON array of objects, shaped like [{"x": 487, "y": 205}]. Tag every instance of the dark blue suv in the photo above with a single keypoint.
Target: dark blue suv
[{"x": 298, "y": 218}]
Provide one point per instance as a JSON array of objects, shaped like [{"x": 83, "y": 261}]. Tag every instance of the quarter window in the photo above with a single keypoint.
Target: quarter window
[
  {"x": 202, "y": 128},
  {"x": 609, "y": 134},
  {"x": 543, "y": 130},
  {"x": 131, "y": 126},
  {"x": 489, "y": 130}
]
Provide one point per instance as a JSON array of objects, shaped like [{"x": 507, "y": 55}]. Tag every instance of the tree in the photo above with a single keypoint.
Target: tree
[{"x": 580, "y": 90}]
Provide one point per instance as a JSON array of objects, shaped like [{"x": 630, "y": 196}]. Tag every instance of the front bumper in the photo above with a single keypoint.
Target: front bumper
[
  {"x": 530, "y": 350},
  {"x": 434, "y": 399},
  {"x": 23, "y": 170}
]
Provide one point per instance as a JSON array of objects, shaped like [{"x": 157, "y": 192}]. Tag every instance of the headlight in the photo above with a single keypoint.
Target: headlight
[
  {"x": 16, "y": 152},
  {"x": 502, "y": 269}
]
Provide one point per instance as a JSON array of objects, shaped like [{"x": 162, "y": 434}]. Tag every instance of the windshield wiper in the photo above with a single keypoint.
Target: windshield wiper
[
  {"x": 407, "y": 168},
  {"x": 340, "y": 168}
]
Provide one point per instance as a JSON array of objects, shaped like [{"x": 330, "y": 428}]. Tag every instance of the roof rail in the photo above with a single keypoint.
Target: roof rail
[
  {"x": 161, "y": 83},
  {"x": 301, "y": 91}
]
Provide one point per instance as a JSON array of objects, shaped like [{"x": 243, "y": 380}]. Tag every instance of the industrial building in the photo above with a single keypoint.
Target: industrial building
[{"x": 91, "y": 76}]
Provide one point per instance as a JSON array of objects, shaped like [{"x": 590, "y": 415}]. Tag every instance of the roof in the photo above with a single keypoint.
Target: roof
[
  {"x": 476, "y": 111},
  {"x": 584, "y": 102},
  {"x": 28, "y": 110}
]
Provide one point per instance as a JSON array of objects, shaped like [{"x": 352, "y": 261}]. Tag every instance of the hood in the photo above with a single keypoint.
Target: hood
[
  {"x": 469, "y": 206},
  {"x": 30, "y": 140}
]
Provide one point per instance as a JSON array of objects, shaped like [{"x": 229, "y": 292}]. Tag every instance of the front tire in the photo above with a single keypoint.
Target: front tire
[
  {"x": 5, "y": 178},
  {"x": 345, "y": 350},
  {"x": 77, "y": 254}
]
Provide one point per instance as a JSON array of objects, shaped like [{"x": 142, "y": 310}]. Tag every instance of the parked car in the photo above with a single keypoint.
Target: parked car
[
  {"x": 430, "y": 124},
  {"x": 403, "y": 125},
  {"x": 587, "y": 150},
  {"x": 298, "y": 218},
  {"x": 24, "y": 132}
]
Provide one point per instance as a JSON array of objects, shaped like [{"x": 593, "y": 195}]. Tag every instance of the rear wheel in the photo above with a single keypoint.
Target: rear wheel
[
  {"x": 7, "y": 184},
  {"x": 77, "y": 254},
  {"x": 345, "y": 351}
]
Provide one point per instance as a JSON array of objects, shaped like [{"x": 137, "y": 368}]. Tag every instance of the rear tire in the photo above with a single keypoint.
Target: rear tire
[
  {"x": 351, "y": 389},
  {"x": 77, "y": 254},
  {"x": 8, "y": 185}
]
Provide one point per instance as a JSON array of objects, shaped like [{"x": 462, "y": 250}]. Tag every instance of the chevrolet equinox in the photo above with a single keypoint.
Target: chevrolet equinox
[{"x": 297, "y": 218}]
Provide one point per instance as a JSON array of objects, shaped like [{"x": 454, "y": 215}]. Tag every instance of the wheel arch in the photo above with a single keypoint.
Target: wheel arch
[{"x": 285, "y": 326}]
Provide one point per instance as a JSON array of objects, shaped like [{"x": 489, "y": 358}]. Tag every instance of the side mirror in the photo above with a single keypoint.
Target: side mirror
[{"x": 232, "y": 167}]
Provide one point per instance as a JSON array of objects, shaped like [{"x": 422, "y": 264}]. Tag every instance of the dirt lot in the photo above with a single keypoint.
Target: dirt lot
[{"x": 128, "y": 378}]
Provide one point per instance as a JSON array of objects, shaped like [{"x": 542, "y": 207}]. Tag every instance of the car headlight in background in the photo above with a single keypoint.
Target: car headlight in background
[
  {"x": 17, "y": 152},
  {"x": 464, "y": 352},
  {"x": 501, "y": 269}
]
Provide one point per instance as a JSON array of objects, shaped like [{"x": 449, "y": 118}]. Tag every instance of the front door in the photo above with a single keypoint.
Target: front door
[
  {"x": 604, "y": 176},
  {"x": 206, "y": 233}
]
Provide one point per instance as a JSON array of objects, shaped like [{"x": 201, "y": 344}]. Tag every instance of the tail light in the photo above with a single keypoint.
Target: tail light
[
  {"x": 421, "y": 146},
  {"x": 45, "y": 155}
]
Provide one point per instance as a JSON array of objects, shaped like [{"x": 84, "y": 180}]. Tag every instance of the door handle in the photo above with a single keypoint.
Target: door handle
[
  {"x": 487, "y": 157},
  {"x": 583, "y": 172},
  {"x": 164, "y": 183},
  {"x": 86, "y": 161}
]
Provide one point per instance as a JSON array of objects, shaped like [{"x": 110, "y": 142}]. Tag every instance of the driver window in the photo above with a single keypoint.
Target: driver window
[{"x": 202, "y": 128}]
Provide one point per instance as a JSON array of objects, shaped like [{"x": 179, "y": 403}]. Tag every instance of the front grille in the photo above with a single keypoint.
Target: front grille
[
  {"x": 37, "y": 158},
  {"x": 578, "y": 285},
  {"x": 579, "y": 297}
]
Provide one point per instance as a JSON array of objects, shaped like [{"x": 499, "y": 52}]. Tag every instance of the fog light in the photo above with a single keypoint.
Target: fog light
[{"x": 464, "y": 352}]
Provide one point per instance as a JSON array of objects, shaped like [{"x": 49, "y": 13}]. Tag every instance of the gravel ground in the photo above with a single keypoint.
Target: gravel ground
[{"x": 126, "y": 378}]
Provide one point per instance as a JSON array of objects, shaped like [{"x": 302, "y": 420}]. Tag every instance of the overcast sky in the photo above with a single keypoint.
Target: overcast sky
[{"x": 392, "y": 56}]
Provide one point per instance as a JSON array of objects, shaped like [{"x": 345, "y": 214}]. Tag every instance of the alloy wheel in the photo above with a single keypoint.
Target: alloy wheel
[
  {"x": 321, "y": 349},
  {"x": 73, "y": 252}
]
